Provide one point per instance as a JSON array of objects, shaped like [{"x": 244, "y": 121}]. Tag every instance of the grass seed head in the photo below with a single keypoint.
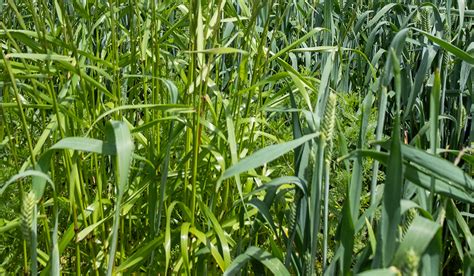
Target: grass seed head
[
  {"x": 425, "y": 19},
  {"x": 412, "y": 262},
  {"x": 328, "y": 125},
  {"x": 27, "y": 209}
]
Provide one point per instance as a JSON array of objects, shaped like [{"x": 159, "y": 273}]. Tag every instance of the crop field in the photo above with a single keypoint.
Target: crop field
[{"x": 236, "y": 137}]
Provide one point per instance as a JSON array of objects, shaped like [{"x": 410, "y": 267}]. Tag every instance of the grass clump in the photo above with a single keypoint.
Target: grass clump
[{"x": 236, "y": 137}]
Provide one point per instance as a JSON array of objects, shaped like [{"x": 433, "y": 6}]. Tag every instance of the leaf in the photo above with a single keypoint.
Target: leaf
[
  {"x": 41, "y": 57},
  {"x": 33, "y": 173},
  {"x": 392, "y": 271},
  {"x": 140, "y": 255},
  {"x": 278, "y": 182},
  {"x": 450, "y": 173},
  {"x": 301, "y": 87},
  {"x": 219, "y": 232},
  {"x": 55, "y": 266},
  {"x": 417, "y": 238},
  {"x": 297, "y": 42},
  {"x": 118, "y": 133},
  {"x": 397, "y": 44},
  {"x": 86, "y": 144},
  {"x": 448, "y": 47},
  {"x": 265, "y": 155},
  {"x": 184, "y": 237},
  {"x": 163, "y": 107},
  {"x": 383, "y": 11},
  {"x": 210, "y": 245},
  {"x": 86, "y": 231},
  {"x": 273, "y": 264},
  {"x": 264, "y": 211},
  {"x": 220, "y": 51},
  {"x": 421, "y": 177},
  {"x": 391, "y": 210}
]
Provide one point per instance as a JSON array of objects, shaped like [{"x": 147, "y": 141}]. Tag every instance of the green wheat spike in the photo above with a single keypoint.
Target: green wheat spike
[
  {"x": 328, "y": 125},
  {"x": 308, "y": 264},
  {"x": 308, "y": 173},
  {"x": 410, "y": 216},
  {"x": 446, "y": 56},
  {"x": 425, "y": 20},
  {"x": 293, "y": 210},
  {"x": 417, "y": 20},
  {"x": 412, "y": 261},
  {"x": 27, "y": 209}
]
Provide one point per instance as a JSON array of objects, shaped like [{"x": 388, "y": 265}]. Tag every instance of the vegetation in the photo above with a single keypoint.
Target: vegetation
[{"x": 237, "y": 137}]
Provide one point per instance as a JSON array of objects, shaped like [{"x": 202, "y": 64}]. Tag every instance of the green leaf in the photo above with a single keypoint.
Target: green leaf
[
  {"x": 273, "y": 264},
  {"x": 220, "y": 51},
  {"x": 42, "y": 57},
  {"x": 33, "y": 173},
  {"x": 459, "y": 53},
  {"x": 450, "y": 173},
  {"x": 416, "y": 240},
  {"x": 392, "y": 271},
  {"x": 265, "y": 155},
  {"x": 86, "y": 231},
  {"x": 391, "y": 210},
  {"x": 118, "y": 133},
  {"x": 297, "y": 42},
  {"x": 219, "y": 232},
  {"x": 140, "y": 255},
  {"x": 86, "y": 144},
  {"x": 421, "y": 177}
]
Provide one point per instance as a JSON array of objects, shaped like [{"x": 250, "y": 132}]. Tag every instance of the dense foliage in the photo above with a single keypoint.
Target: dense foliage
[{"x": 236, "y": 136}]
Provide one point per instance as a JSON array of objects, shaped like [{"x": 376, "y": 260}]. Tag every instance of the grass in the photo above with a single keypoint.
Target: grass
[{"x": 236, "y": 137}]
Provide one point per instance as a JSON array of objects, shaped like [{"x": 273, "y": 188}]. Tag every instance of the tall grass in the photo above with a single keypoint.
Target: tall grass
[{"x": 237, "y": 137}]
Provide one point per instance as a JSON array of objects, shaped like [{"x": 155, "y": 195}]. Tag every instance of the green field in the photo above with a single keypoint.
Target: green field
[{"x": 236, "y": 137}]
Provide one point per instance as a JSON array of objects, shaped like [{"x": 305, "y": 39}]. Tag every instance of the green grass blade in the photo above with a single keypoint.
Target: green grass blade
[
  {"x": 255, "y": 253},
  {"x": 264, "y": 155},
  {"x": 392, "y": 271},
  {"x": 459, "y": 53},
  {"x": 184, "y": 239},
  {"x": 42, "y": 57},
  {"x": 225, "y": 249},
  {"x": 434, "y": 124},
  {"x": 140, "y": 255},
  {"x": 119, "y": 134},
  {"x": 416, "y": 240},
  {"x": 296, "y": 43},
  {"x": 393, "y": 185},
  {"x": 422, "y": 178}
]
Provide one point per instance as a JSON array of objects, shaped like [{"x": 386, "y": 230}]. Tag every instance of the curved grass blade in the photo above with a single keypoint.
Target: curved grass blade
[
  {"x": 140, "y": 254},
  {"x": 448, "y": 47},
  {"x": 418, "y": 237},
  {"x": 273, "y": 264},
  {"x": 118, "y": 134},
  {"x": 202, "y": 238},
  {"x": 184, "y": 237},
  {"x": 86, "y": 231},
  {"x": 421, "y": 177},
  {"x": 264, "y": 155},
  {"x": 281, "y": 181},
  {"x": 219, "y": 232},
  {"x": 41, "y": 57},
  {"x": 164, "y": 107},
  {"x": 297, "y": 42},
  {"x": 27, "y": 173},
  {"x": 264, "y": 211}
]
